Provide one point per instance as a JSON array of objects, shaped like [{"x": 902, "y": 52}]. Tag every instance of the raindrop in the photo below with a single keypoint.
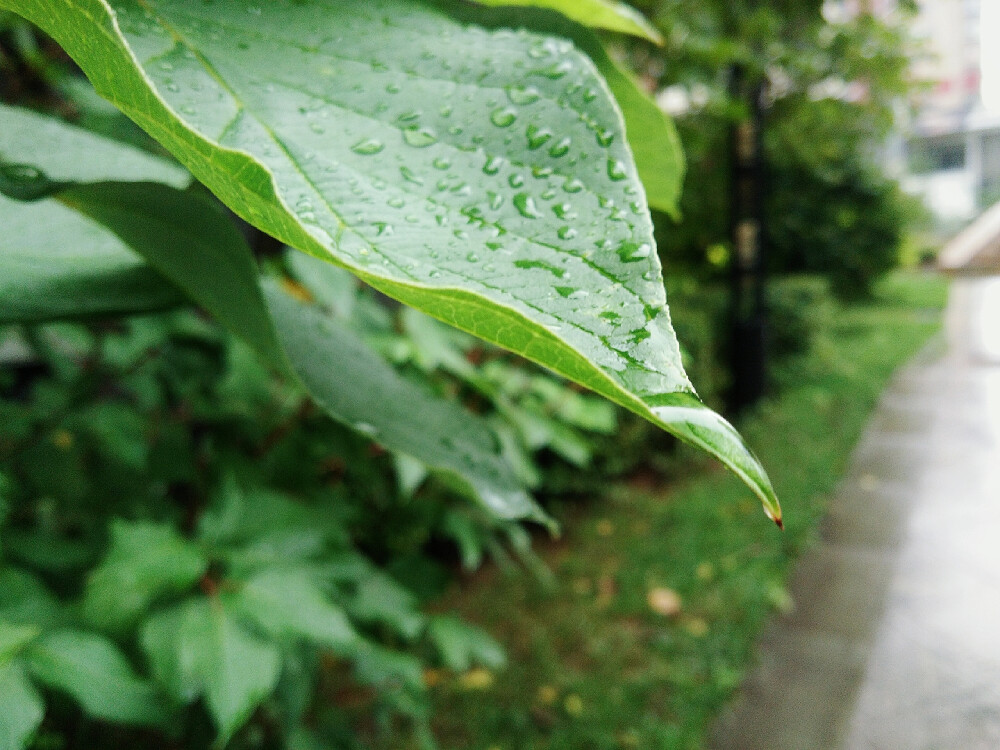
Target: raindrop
[
  {"x": 564, "y": 211},
  {"x": 522, "y": 95},
  {"x": 494, "y": 246},
  {"x": 381, "y": 228},
  {"x": 541, "y": 171},
  {"x": 503, "y": 117},
  {"x": 573, "y": 185},
  {"x": 539, "y": 51},
  {"x": 410, "y": 176},
  {"x": 557, "y": 71},
  {"x": 632, "y": 252},
  {"x": 408, "y": 116},
  {"x": 396, "y": 202},
  {"x": 472, "y": 258},
  {"x": 548, "y": 194},
  {"x": 616, "y": 170},
  {"x": 554, "y": 270},
  {"x": 525, "y": 206},
  {"x": 441, "y": 163},
  {"x": 611, "y": 316},
  {"x": 605, "y": 136},
  {"x": 589, "y": 95},
  {"x": 515, "y": 180},
  {"x": 560, "y": 148},
  {"x": 496, "y": 200},
  {"x": 493, "y": 164},
  {"x": 367, "y": 146},
  {"x": 419, "y": 137},
  {"x": 537, "y": 136},
  {"x": 317, "y": 128},
  {"x": 566, "y": 233}
]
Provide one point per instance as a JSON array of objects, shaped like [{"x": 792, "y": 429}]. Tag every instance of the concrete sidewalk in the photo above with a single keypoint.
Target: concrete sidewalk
[{"x": 895, "y": 640}]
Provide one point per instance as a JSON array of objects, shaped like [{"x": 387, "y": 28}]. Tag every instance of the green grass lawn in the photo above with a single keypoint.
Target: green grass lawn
[{"x": 662, "y": 587}]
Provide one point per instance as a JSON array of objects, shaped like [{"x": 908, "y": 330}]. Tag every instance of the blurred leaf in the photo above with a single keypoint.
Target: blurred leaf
[
  {"x": 599, "y": 14},
  {"x": 410, "y": 473},
  {"x": 287, "y": 604},
  {"x": 379, "y": 599},
  {"x": 145, "y": 561},
  {"x": 57, "y": 263},
  {"x": 198, "y": 649},
  {"x": 24, "y": 600},
  {"x": 92, "y": 670},
  {"x": 370, "y": 396},
  {"x": 21, "y": 708},
  {"x": 13, "y": 638},
  {"x": 68, "y": 154},
  {"x": 463, "y": 646},
  {"x": 388, "y": 669}
]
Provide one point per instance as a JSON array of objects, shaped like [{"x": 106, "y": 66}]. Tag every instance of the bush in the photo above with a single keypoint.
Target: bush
[{"x": 847, "y": 225}]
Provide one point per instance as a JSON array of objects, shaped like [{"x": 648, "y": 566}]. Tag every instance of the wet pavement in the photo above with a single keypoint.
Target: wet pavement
[{"x": 895, "y": 640}]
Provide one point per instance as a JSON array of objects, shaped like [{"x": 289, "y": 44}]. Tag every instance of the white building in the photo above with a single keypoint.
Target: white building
[{"x": 954, "y": 146}]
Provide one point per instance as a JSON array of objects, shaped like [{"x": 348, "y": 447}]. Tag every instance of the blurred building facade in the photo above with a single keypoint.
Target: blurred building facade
[{"x": 953, "y": 145}]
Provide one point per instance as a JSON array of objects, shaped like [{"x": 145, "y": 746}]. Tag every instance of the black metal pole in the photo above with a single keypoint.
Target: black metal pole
[{"x": 747, "y": 233}]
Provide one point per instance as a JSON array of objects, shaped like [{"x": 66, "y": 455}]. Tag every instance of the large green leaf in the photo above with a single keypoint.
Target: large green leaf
[
  {"x": 21, "y": 708},
  {"x": 199, "y": 649},
  {"x": 92, "y": 670},
  {"x": 146, "y": 560},
  {"x": 480, "y": 176},
  {"x": 600, "y": 14}
]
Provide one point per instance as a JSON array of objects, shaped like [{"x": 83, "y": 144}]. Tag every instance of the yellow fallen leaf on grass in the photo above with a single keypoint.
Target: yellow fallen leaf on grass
[
  {"x": 664, "y": 601},
  {"x": 476, "y": 679}
]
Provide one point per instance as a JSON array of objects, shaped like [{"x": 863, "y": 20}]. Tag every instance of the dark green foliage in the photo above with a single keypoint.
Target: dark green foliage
[
  {"x": 831, "y": 89},
  {"x": 800, "y": 311},
  {"x": 192, "y": 530},
  {"x": 846, "y": 223}
]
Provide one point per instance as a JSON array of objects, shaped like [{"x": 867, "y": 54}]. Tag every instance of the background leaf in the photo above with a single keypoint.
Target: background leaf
[
  {"x": 599, "y": 14},
  {"x": 56, "y": 262},
  {"x": 92, "y": 670},
  {"x": 287, "y": 603},
  {"x": 21, "y": 708},
  {"x": 199, "y": 649},
  {"x": 144, "y": 562},
  {"x": 462, "y": 645}
]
